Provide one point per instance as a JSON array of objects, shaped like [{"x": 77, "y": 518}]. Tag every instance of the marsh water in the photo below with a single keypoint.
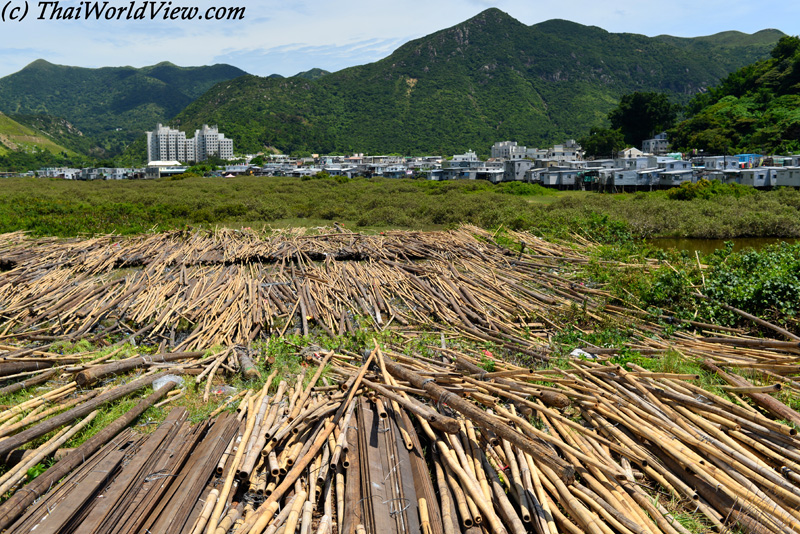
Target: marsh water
[{"x": 708, "y": 246}]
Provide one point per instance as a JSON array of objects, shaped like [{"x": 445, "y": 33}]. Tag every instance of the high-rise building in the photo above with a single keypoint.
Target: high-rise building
[{"x": 167, "y": 144}]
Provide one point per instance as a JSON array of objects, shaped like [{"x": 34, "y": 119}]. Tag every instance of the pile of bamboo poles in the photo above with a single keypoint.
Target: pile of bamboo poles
[
  {"x": 727, "y": 461},
  {"x": 101, "y": 254},
  {"x": 380, "y": 442},
  {"x": 170, "y": 289},
  {"x": 122, "y": 488},
  {"x": 387, "y": 442}
]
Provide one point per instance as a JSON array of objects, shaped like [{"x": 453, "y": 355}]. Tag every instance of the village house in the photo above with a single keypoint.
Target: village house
[
  {"x": 759, "y": 177},
  {"x": 657, "y": 146},
  {"x": 560, "y": 178},
  {"x": 157, "y": 169},
  {"x": 561, "y": 166},
  {"x": 787, "y": 177},
  {"x": 720, "y": 163}
]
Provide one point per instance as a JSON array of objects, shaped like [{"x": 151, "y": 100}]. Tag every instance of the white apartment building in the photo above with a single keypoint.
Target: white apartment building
[
  {"x": 209, "y": 141},
  {"x": 510, "y": 151},
  {"x": 657, "y": 145},
  {"x": 166, "y": 144}
]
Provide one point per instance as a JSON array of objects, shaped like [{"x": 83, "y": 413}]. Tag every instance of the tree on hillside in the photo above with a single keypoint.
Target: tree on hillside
[
  {"x": 639, "y": 116},
  {"x": 787, "y": 47},
  {"x": 754, "y": 109},
  {"x": 602, "y": 142}
]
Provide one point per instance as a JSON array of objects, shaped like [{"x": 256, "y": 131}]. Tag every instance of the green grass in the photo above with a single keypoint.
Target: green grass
[
  {"x": 67, "y": 208},
  {"x": 109, "y": 413},
  {"x": 18, "y": 137},
  {"x": 654, "y": 214},
  {"x": 688, "y": 517}
]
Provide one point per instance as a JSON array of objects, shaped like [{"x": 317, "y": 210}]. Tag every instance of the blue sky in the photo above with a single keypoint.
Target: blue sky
[{"x": 290, "y": 37}]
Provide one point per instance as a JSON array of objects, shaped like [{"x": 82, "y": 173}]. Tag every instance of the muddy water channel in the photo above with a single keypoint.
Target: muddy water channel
[{"x": 708, "y": 246}]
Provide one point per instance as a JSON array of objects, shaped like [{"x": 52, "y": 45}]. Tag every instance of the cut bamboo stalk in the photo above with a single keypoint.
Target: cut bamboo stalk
[
  {"x": 216, "y": 514},
  {"x": 280, "y": 519},
  {"x": 39, "y": 379},
  {"x": 248, "y": 368},
  {"x": 44, "y": 413},
  {"x": 14, "y": 506},
  {"x": 263, "y": 514},
  {"x": 93, "y": 374},
  {"x": 588, "y": 521},
  {"x": 11, "y": 443},
  {"x": 774, "y": 388},
  {"x": 234, "y": 513},
  {"x": 438, "y": 421},
  {"x": 205, "y": 513},
  {"x": 15, "y": 474},
  {"x": 442, "y": 396}
]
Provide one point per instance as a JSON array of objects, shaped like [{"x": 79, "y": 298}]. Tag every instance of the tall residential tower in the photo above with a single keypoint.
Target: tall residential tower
[{"x": 166, "y": 144}]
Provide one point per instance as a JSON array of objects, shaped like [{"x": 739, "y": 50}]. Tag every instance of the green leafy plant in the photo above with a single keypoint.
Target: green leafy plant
[
  {"x": 36, "y": 470},
  {"x": 765, "y": 283},
  {"x": 486, "y": 363},
  {"x": 706, "y": 189}
]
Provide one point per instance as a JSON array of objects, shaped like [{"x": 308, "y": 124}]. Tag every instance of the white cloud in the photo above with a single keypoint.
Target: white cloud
[{"x": 292, "y": 58}]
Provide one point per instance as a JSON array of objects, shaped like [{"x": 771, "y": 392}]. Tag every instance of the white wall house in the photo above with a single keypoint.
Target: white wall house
[{"x": 658, "y": 145}]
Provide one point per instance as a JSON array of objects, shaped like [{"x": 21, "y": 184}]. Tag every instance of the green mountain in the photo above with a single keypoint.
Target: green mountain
[
  {"x": 489, "y": 78},
  {"x": 191, "y": 81},
  {"x": 312, "y": 74},
  {"x": 728, "y": 49},
  {"x": 110, "y": 106},
  {"x": 62, "y": 132},
  {"x": 755, "y": 109},
  {"x": 15, "y": 137},
  {"x": 23, "y": 149}
]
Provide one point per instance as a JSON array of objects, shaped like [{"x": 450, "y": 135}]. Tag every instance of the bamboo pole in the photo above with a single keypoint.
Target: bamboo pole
[
  {"x": 440, "y": 395},
  {"x": 205, "y": 513},
  {"x": 15, "y": 505},
  {"x": 216, "y": 514},
  {"x": 11, "y": 443},
  {"x": 93, "y": 374}
]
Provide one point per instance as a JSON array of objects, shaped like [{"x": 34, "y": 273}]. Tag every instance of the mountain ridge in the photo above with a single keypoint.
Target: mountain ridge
[
  {"x": 110, "y": 105},
  {"x": 486, "y": 79},
  {"x": 754, "y": 109}
]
